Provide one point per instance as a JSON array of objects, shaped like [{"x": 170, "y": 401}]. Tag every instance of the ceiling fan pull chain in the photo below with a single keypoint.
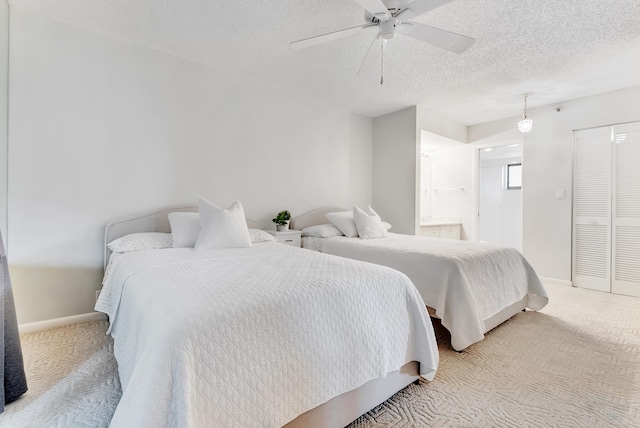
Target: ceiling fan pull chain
[{"x": 382, "y": 62}]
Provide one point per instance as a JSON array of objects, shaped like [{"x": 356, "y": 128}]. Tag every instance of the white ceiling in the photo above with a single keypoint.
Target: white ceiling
[
  {"x": 501, "y": 152},
  {"x": 555, "y": 49}
]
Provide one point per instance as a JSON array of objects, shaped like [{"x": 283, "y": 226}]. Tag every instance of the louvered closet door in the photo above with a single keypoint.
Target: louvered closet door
[
  {"x": 626, "y": 210},
  {"x": 592, "y": 209}
]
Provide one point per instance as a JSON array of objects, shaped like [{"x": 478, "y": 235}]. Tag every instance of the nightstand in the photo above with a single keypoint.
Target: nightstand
[{"x": 288, "y": 237}]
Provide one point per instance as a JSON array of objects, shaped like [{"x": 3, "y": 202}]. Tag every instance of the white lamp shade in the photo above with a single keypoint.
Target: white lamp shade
[{"x": 525, "y": 125}]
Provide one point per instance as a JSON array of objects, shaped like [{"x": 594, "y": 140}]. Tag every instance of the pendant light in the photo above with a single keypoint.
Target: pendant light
[{"x": 525, "y": 124}]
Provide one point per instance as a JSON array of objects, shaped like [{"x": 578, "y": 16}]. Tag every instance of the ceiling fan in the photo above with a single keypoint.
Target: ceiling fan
[{"x": 389, "y": 22}]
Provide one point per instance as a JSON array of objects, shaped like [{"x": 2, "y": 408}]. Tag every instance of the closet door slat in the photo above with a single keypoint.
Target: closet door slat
[
  {"x": 626, "y": 210},
  {"x": 591, "y": 264}
]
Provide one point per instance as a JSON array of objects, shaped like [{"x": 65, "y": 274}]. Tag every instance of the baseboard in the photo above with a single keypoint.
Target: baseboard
[
  {"x": 60, "y": 322},
  {"x": 557, "y": 281}
]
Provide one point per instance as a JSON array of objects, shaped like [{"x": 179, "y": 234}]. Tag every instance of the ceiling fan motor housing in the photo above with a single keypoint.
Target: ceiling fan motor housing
[
  {"x": 388, "y": 29},
  {"x": 380, "y": 17}
]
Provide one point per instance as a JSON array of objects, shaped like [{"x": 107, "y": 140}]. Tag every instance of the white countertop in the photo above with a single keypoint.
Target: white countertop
[{"x": 441, "y": 222}]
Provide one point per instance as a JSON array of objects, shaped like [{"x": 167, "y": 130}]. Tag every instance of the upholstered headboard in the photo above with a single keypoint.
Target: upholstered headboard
[
  {"x": 313, "y": 217},
  {"x": 150, "y": 221}
]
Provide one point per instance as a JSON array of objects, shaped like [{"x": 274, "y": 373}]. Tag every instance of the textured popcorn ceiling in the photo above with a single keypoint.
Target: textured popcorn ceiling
[{"x": 555, "y": 49}]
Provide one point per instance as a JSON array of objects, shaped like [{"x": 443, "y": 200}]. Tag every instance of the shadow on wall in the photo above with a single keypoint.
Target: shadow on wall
[{"x": 44, "y": 292}]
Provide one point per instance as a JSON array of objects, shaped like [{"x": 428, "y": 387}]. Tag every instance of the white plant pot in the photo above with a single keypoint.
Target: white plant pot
[{"x": 282, "y": 227}]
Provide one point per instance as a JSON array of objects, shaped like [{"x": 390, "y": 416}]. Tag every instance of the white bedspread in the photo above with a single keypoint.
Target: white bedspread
[
  {"x": 465, "y": 282},
  {"x": 254, "y": 336}
]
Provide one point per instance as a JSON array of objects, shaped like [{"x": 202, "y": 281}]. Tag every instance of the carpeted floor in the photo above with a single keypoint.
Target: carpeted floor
[{"x": 574, "y": 364}]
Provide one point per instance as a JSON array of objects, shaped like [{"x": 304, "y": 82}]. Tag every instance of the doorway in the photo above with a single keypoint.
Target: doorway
[
  {"x": 500, "y": 195},
  {"x": 445, "y": 178}
]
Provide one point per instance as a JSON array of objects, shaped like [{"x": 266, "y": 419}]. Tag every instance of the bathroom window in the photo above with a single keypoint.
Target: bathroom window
[{"x": 514, "y": 176}]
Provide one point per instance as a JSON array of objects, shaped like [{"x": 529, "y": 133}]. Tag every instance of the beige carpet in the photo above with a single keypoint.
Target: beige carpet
[
  {"x": 72, "y": 378},
  {"x": 574, "y": 364}
]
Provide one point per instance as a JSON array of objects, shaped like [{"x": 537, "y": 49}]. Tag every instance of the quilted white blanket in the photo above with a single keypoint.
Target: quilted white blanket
[
  {"x": 465, "y": 282},
  {"x": 254, "y": 336}
]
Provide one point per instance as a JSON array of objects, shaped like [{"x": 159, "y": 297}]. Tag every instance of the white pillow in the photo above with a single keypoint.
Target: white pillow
[
  {"x": 321, "y": 231},
  {"x": 343, "y": 220},
  {"x": 258, "y": 235},
  {"x": 185, "y": 228},
  {"x": 386, "y": 225},
  {"x": 140, "y": 241},
  {"x": 222, "y": 228},
  {"x": 368, "y": 223}
]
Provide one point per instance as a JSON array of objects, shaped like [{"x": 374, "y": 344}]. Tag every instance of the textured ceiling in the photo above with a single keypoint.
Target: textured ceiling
[{"x": 555, "y": 49}]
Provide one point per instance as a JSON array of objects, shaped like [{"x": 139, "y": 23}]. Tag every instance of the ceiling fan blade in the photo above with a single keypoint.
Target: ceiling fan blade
[
  {"x": 372, "y": 59},
  {"x": 418, "y": 7},
  {"x": 375, "y": 8},
  {"x": 441, "y": 38},
  {"x": 335, "y": 35}
]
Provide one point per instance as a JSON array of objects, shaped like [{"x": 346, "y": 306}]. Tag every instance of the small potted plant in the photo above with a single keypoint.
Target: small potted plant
[{"x": 282, "y": 220}]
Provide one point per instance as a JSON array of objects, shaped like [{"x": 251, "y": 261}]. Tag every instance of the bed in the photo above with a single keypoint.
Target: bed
[
  {"x": 471, "y": 287},
  {"x": 269, "y": 335}
]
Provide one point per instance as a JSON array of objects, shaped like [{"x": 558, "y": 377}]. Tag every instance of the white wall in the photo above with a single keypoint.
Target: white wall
[
  {"x": 4, "y": 103},
  {"x": 100, "y": 128},
  {"x": 395, "y": 169},
  {"x": 360, "y": 161},
  {"x": 500, "y": 209},
  {"x": 547, "y": 167},
  {"x": 451, "y": 167},
  {"x": 490, "y": 203},
  {"x": 512, "y": 217},
  {"x": 426, "y": 173},
  {"x": 452, "y": 186},
  {"x": 437, "y": 124},
  {"x": 397, "y": 141}
]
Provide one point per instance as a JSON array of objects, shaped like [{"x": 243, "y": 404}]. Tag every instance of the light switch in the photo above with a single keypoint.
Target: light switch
[{"x": 560, "y": 194}]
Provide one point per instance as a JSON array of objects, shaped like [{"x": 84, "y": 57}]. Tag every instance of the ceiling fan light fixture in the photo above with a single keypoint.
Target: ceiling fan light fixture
[
  {"x": 525, "y": 124},
  {"x": 388, "y": 29}
]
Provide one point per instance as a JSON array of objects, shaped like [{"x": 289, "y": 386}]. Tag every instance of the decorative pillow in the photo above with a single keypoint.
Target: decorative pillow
[
  {"x": 222, "y": 228},
  {"x": 386, "y": 225},
  {"x": 185, "y": 228},
  {"x": 258, "y": 235},
  {"x": 368, "y": 223},
  {"x": 140, "y": 241},
  {"x": 343, "y": 220},
  {"x": 321, "y": 231}
]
